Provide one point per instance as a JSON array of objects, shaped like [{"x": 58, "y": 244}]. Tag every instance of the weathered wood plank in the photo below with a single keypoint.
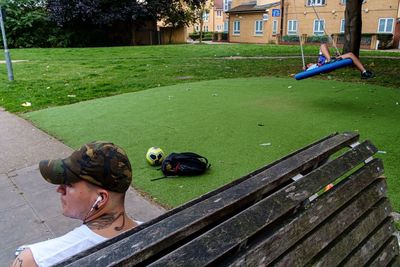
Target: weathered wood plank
[
  {"x": 159, "y": 235},
  {"x": 216, "y": 242},
  {"x": 304, "y": 251},
  {"x": 268, "y": 245},
  {"x": 389, "y": 250},
  {"x": 395, "y": 262},
  {"x": 353, "y": 237},
  {"x": 361, "y": 255}
]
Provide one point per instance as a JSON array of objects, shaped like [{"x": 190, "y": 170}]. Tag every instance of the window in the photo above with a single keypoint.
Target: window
[
  {"x": 219, "y": 28},
  {"x": 259, "y": 25},
  {"x": 385, "y": 25},
  {"x": 197, "y": 28},
  {"x": 275, "y": 27},
  {"x": 315, "y": 2},
  {"x": 319, "y": 26},
  {"x": 227, "y": 4},
  {"x": 219, "y": 13},
  {"x": 205, "y": 28},
  {"x": 292, "y": 27},
  {"x": 226, "y": 26},
  {"x": 342, "y": 25},
  {"x": 205, "y": 16},
  {"x": 236, "y": 27}
]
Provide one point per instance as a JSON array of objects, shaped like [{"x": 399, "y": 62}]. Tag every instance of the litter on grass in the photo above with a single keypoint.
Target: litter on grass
[
  {"x": 265, "y": 144},
  {"x": 26, "y": 104}
]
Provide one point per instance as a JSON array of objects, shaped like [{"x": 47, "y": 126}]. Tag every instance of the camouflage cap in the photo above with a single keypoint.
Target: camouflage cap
[{"x": 101, "y": 163}]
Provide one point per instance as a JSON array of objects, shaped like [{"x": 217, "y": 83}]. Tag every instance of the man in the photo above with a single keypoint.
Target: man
[
  {"x": 92, "y": 185},
  {"x": 325, "y": 57}
]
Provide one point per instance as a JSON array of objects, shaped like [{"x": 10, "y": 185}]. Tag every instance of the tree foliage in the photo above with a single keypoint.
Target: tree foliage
[
  {"x": 107, "y": 22},
  {"x": 96, "y": 22},
  {"x": 176, "y": 14},
  {"x": 44, "y": 23},
  {"x": 199, "y": 12},
  {"x": 93, "y": 12},
  {"x": 27, "y": 24}
]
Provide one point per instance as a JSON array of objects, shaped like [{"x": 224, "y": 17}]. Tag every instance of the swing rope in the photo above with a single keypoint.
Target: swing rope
[
  {"x": 326, "y": 33},
  {"x": 300, "y": 38}
]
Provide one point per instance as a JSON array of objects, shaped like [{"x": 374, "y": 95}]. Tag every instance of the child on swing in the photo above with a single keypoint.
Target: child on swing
[{"x": 324, "y": 57}]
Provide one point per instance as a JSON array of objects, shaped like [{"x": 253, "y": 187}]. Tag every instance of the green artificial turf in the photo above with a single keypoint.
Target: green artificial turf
[
  {"x": 238, "y": 124},
  {"x": 54, "y": 77}
]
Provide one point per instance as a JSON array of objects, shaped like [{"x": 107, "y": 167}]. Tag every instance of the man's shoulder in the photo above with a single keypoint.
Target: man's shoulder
[
  {"x": 60, "y": 248},
  {"x": 25, "y": 258}
]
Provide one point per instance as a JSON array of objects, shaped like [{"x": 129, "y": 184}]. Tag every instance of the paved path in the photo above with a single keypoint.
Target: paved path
[{"x": 29, "y": 206}]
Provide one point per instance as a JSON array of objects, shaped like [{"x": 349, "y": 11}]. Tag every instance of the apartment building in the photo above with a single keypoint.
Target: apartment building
[
  {"x": 254, "y": 22},
  {"x": 263, "y": 21},
  {"x": 321, "y": 17},
  {"x": 213, "y": 18}
]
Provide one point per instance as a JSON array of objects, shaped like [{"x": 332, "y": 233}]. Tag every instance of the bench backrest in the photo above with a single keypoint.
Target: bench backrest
[{"x": 279, "y": 215}]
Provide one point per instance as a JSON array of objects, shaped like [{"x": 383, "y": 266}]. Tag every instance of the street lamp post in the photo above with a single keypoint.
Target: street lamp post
[{"x": 6, "y": 52}]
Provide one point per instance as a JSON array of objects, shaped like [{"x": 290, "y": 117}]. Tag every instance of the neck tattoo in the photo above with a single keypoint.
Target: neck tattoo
[{"x": 106, "y": 220}]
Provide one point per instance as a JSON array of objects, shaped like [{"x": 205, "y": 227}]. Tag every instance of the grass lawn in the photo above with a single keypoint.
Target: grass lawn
[
  {"x": 53, "y": 77},
  {"x": 238, "y": 124}
]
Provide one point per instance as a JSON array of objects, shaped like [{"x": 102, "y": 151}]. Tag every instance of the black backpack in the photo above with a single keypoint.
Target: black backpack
[{"x": 185, "y": 164}]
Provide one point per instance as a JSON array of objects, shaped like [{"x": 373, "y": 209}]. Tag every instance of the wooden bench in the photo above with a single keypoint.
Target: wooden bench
[{"x": 279, "y": 215}]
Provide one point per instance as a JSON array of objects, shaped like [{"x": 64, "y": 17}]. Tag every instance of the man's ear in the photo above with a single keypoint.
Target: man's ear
[{"x": 104, "y": 196}]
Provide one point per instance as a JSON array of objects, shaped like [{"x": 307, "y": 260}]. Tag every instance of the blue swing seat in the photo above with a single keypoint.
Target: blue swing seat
[{"x": 324, "y": 68}]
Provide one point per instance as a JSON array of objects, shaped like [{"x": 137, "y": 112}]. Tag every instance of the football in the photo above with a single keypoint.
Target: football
[{"x": 155, "y": 156}]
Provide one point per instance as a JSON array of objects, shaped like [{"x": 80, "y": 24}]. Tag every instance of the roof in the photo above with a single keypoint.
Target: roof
[
  {"x": 251, "y": 7},
  {"x": 218, "y": 4}
]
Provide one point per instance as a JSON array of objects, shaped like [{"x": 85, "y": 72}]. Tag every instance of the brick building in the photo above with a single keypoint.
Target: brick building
[
  {"x": 264, "y": 21},
  {"x": 255, "y": 21}
]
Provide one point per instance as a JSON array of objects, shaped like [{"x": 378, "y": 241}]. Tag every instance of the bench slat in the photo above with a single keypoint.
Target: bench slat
[
  {"x": 216, "y": 242},
  {"x": 327, "y": 232},
  {"x": 272, "y": 245},
  {"x": 353, "y": 237},
  {"x": 389, "y": 250},
  {"x": 369, "y": 247},
  {"x": 191, "y": 218},
  {"x": 395, "y": 262}
]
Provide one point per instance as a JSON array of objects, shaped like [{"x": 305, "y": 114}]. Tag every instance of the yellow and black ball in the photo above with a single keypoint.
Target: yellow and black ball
[{"x": 155, "y": 156}]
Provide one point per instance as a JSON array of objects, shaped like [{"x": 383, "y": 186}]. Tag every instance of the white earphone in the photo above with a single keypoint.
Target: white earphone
[
  {"x": 94, "y": 207},
  {"x": 96, "y": 203}
]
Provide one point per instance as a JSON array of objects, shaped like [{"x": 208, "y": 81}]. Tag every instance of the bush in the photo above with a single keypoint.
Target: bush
[
  {"x": 207, "y": 36},
  {"x": 385, "y": 39},
  {"x": 317, "y": 39},
  {"x": 290, "y": 38}
]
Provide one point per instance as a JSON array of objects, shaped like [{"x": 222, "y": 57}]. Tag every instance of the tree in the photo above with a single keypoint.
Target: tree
[
  {"x": 353, "y": 27},
  {"x": 27, "y": 24},
  {"x": 97, "y": 22},
  {"x": 177, "y": 15},
  {"x": 199, "y": 13}
]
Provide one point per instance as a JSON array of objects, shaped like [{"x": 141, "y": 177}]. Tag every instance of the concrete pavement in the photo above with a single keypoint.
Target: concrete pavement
[{"x": 30, "y": 207}]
